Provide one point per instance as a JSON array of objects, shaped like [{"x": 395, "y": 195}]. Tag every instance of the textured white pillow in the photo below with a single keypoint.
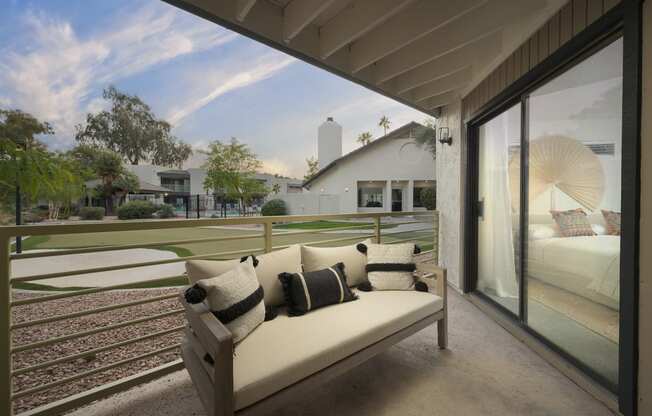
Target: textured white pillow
[
  {"x": 390, "y": 254},
  {"x": 542, "y": 231},
  {"x": 232, "y": 290},
  {"x": 319, "y": 258},
  {"x": 270, "y": 265}
]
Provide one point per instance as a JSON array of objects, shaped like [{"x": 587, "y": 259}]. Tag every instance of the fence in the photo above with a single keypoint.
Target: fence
[{"x": 262, "y": 234}]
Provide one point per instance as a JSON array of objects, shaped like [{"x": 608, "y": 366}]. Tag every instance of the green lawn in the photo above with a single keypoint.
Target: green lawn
[{"x": 64, "y": 241}]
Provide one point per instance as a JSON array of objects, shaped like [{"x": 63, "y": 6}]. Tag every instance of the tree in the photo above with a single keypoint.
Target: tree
[
  {"x": 384, "y": 123},
  {"x": 313, "y": 168},
  {"x": 425, "y": 136},
  {"x": 364, "y": 138},
  {"x": 115, "y": 180},
  {"x": 231, "y": 169},
  {"x": 130, "y": 129},
  {"x": 66, "y": 187}
]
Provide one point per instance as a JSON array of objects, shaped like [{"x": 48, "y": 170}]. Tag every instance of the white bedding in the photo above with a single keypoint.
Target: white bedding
[{"x": 587, "y": 266}]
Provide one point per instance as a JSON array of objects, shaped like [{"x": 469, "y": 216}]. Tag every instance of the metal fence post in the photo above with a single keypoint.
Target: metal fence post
[
  {"x": 5, "y": 322},
  {"x": 377, "y": 229},
  {"x": 197, "y": 205},
  {"x": 268, "y": 237}
]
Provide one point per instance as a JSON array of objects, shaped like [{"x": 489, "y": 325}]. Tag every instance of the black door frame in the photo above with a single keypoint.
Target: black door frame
[{"x": 624, "y": 20}]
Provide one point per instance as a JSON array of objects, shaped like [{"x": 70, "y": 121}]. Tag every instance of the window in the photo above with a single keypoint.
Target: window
[
  {"x": 370, "y": 197},
  {"x": 421, "y": 191}
]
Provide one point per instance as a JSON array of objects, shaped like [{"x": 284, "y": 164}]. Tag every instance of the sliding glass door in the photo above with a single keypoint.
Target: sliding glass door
[{"x": 548, "y": 210}]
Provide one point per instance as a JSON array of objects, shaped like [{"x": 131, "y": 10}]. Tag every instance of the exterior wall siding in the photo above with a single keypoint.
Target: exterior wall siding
[{"x": 570, "y": 20}]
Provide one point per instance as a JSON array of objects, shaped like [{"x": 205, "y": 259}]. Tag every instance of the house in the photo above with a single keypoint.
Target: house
[{"x": 388, "y": 174}]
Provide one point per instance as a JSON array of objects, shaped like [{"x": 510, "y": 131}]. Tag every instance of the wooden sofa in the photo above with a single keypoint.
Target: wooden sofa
[{"x": 267, "y": 369}]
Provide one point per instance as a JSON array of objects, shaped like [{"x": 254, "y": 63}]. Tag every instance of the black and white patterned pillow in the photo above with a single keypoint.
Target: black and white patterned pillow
[
  {"x": 234, "y": 297},
  {"x": 308, "y": 291},
  {"x": 390, "y": 266}
]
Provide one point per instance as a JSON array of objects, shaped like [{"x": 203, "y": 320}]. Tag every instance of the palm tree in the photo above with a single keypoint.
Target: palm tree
[
  {"x": 364, "y": 138},
  {"x": 384, "y": 123}
]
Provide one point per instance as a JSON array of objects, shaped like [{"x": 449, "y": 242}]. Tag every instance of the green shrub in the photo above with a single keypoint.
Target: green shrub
[
  {"x": 34, "y": 216},
  {"x": 136, "y": 210},
  {"x": 91, "y": 213},
  {"x": 429, "y": 198},
  {"x": 274, "y": 207},
  {"x": 166, "y": 211}
]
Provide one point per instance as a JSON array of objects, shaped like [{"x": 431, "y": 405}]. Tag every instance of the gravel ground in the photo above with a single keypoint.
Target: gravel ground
[{"x": 77, "y": 345}]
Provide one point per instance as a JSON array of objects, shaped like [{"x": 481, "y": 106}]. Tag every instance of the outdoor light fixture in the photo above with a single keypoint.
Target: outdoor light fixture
[
  {"x": 445, "y": 136},
  {"x": 346, "y": 189}
]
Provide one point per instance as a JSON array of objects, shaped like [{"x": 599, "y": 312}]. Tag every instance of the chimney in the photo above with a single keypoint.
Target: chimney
[{"x": 329, "y": 142}]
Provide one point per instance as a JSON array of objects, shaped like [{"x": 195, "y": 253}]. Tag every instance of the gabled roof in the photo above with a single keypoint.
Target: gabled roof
[
  {"x": 412, "y": 129},
  {"x": 178, "y": 173}
]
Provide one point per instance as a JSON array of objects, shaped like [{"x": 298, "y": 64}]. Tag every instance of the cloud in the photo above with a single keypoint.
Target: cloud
[
  {"x": 276, "y": 166},
  {"x": 266, "y": 67},
  {"x": 56, "y": 72}
]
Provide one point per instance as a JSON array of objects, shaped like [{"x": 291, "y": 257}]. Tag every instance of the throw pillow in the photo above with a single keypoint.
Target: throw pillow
[
  {"x": 612, "y": 219},
  {"x": 318, "y": 258},
  {"x": 573, "y": 223},
  {"x": 267, "y": 270},
  {"x": 308, "y": 291},
  {"x": 391, "y": 266},
  {"x": 234, "y": 297}
]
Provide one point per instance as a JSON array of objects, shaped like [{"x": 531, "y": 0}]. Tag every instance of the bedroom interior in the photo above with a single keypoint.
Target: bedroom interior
[{"x": 570, "y": 127}]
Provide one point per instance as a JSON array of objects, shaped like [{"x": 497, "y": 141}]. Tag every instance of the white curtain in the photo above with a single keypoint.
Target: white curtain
[{"x": 496, "y": 269}]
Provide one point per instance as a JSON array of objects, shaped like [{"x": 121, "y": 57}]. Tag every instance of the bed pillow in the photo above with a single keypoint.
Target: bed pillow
[
  {"x": 234, "y": 297},
  {"x": 542, "y": 231},
  {"x": 391, "y": 266},
  {"x": 573, "y": 223},
  {"x": 612, "y": 219},
  {"x": 318, "y": 258},
  {"x": 268, "y": 268},
  {"x": 307, "y": 291}
]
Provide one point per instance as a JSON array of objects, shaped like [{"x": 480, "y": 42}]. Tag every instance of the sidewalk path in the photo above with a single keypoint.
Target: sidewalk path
[{"x": 26, "y": 267}]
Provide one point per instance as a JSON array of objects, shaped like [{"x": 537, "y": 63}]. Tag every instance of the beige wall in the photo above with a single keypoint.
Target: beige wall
[{"x": 645, "y": 305}]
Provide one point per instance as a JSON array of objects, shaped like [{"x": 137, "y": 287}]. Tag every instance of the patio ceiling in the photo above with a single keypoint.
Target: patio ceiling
[{"x": 423, "y": 53}]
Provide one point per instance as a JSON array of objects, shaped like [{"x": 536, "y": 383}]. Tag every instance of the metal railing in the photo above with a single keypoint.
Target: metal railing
[{"x": 420, "y": 226}]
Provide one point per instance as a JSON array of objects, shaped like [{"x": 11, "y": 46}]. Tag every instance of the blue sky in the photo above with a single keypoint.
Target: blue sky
[{"x": 56, "y": 56}]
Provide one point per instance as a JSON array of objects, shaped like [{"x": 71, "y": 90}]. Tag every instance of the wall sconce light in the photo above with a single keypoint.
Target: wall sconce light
[
  {"x": 346, "y": 189},
  {"x": 445, "y": 136}
]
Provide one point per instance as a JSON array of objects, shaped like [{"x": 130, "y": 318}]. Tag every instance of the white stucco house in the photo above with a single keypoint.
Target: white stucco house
[{"x": 387, "y": 174}]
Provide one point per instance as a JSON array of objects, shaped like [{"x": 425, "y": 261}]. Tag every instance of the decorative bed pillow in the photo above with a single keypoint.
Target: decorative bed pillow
[
  {"x": 307, "y": 291},
  {"x": 612, "y": 219},
  {"x": 318, "y": 258},
  {"x": 391, "y": 266},
  {"x": 542, "y": 231},
  {"x": 267, "y": 270},
  {"x": 234, "y": 297},
  {"x": 573, "y": 223}
]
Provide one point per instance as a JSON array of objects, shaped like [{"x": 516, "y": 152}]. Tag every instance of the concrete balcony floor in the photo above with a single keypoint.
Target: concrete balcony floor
[{"x": 485, "y": 371}]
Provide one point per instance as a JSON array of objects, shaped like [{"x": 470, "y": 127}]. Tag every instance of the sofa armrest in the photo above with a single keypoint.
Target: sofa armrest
[
  {"x": 434, "y": 276},
  {"x": 212, "y": 334}
]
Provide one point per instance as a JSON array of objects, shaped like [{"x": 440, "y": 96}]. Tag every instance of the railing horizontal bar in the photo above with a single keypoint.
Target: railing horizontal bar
[
  {"x": 47, "y": 386},
  {"x": 104, "y": 390},
  {"x": 64, "y": 295},
  {"x": 97, "y": 249},
  {"x": 409, "y": 231},
  {"x": 322, "y": 230},
  {"x": 126, "y": 266},
  {"x": 95, "y": 351},
  {"x": 135, "y": 225},
  {"x": 403, "y": 240},
  {"x": 50, "y": 341},
  {"x": 92, "y": 311},
  {"x": 334, "y": 240}
]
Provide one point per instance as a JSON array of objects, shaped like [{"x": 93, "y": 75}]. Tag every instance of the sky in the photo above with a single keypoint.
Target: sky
[{"x": 210, "y": 83}]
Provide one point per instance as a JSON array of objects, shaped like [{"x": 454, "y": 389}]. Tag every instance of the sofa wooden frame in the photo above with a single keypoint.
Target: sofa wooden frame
[{"x": 207, "y": 352}]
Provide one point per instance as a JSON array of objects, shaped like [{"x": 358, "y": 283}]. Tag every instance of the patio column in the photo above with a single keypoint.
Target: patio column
[
  {"x": 409, "y": 196},
  {"x": 387, "y": 206}
]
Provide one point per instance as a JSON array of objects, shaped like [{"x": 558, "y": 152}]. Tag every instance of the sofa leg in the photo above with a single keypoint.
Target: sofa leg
[{"x": 442, "y": 333}]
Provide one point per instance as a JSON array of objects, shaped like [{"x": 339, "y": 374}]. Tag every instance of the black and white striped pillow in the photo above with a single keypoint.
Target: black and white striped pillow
[{"x": 307, "y": 291}]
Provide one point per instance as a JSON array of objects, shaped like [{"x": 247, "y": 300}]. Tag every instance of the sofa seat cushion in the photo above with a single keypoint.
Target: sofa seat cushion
[{"x": 287, "y": 349}]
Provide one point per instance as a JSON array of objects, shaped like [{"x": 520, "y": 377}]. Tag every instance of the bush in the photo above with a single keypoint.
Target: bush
[
  {"x": 136, "y": 210},
  {"x": 166, "y": 211},
  {"x": 91, "y": 213},
  {"x": 429, "y": 198},
  {"x": 33, "y": 216},
  {"x": 274, "y": 207},
  {"x": 374, "y": 204}
]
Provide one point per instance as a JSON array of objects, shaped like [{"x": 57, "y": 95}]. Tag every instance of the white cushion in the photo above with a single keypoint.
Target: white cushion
[
  {"x": 230, "y": 288},
  {"x": 270, "y": 265},
  {"x": 391, "y": 253},
  {"x": 319, "y": 258},
  {"x": 286, "y": 350}
]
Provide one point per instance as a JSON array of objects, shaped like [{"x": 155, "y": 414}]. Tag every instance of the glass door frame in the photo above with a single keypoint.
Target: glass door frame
[{"x": 623, "y": 20}]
